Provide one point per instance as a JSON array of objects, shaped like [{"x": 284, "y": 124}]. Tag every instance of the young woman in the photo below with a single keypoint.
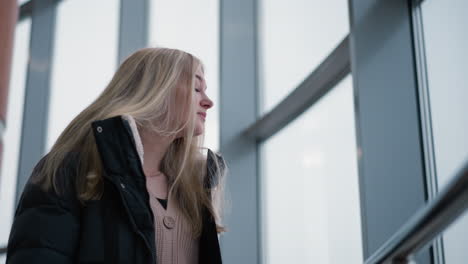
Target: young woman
[{"x": 127, "y": 180}]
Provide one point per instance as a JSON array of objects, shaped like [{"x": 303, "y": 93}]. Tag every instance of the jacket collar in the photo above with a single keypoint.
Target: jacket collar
[{"x": 118, "y": 151}]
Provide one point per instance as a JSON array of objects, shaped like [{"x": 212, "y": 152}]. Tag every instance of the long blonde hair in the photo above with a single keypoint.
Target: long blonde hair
[{"x": 146, "y": 87}]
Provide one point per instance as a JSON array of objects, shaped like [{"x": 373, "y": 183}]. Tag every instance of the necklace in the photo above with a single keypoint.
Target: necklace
[{"x": 155, "y": 174}]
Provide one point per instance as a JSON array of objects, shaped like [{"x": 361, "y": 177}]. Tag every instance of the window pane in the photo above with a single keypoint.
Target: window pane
[
  {"x": 192, "y": 26},
  {"x": 12, "y": 136},
  {"x": 85, "y": 58},
  {"x": 295, "y": 37},
  {"x": 447, "y": 61},
  {"x": 310, "y": 186}
]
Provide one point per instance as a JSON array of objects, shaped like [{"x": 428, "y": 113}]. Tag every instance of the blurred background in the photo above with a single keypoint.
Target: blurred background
[{"x": 339, "y": 119}]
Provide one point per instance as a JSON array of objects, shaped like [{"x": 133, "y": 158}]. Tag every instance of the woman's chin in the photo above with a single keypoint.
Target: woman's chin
[{"x": 198, "y": 131}]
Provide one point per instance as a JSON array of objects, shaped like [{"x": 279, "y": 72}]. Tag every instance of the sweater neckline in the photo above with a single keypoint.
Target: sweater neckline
[{"x": 163, "y": 202}]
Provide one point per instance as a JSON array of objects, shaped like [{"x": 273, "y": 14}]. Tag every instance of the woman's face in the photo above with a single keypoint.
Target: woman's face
[{"x": 202, "y": 102}]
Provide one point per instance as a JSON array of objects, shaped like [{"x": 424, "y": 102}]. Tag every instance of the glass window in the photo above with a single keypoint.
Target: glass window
[
  {"x": 447, "y": 61},
  {"x": 295, "y": 37},
  {"x": 310, "y": 186},
  {"x": 192, "y": 26},
  {"x": 12, "y": 136},
  {"x": 85, "y": 58}
]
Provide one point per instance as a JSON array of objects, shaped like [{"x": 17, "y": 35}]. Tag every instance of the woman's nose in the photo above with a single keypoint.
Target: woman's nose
[{"x": 207, "y": 103}]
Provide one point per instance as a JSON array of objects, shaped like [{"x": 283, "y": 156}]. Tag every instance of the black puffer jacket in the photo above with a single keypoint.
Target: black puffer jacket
[{"x": 52, "y": 228}]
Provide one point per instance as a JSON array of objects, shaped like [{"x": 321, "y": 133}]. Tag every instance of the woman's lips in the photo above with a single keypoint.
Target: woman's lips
[{"x": 202, "y": 115}]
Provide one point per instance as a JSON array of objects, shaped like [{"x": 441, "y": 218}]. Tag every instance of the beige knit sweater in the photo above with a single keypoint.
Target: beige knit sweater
[{"x": 174, "y": 243}]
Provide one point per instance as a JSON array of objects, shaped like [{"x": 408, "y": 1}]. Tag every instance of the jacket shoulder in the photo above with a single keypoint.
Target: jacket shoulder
[
  {"x": 46, "y": 224},
  {"x": 35, "y": 192}
]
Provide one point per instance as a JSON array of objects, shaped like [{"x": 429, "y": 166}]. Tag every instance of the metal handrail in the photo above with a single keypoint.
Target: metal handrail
[
  {"x": 427, "y": 223},
  {"x": 3, "y": 250}
]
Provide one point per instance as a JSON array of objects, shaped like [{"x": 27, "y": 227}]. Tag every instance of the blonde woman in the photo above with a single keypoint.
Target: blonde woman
[{"x": 127, "y": 180}]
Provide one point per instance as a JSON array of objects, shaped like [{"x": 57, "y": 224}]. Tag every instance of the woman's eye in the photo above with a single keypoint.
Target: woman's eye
[{"x": 197, "y": 90}]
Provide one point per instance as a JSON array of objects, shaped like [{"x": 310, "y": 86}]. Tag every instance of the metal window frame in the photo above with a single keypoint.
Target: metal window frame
[
  {"x": 133, "y": 30},
  {"x": 240, "y": 147},
  {"x": 391, "y": 165},
  {"x": 426, "y": 117},
  {"x": 238, "y": 82},
  {"x": 2, "y": 130},
  {"x": 240, "y": 142},
  {"x": 323, "y": 79},
  {"x": 25, "y": 10},
  {"x": 36, "y": 102}
]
